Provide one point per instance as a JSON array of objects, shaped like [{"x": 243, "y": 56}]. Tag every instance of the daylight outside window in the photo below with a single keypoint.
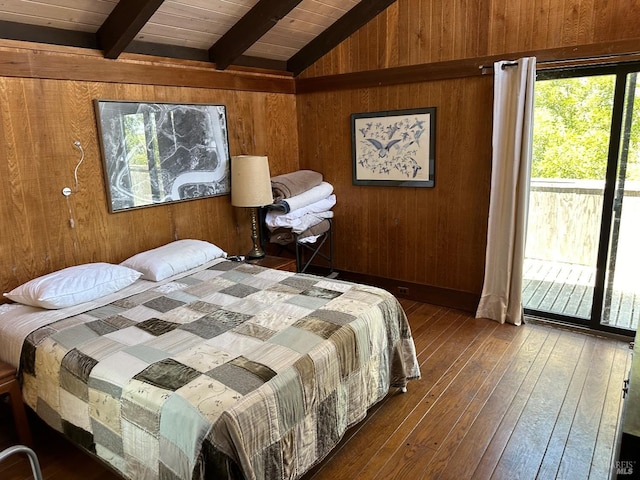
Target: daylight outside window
[{"x": 578, "y": 122}]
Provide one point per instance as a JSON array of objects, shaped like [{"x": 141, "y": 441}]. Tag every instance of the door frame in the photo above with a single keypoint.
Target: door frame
[{"x": 606, "y": 222}]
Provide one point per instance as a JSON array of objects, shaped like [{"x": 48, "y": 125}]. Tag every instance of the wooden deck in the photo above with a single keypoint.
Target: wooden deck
[{"x": 567, "y": 289}]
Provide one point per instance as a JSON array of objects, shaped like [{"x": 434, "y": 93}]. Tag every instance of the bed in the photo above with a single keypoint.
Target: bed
[{"x": 224, "y": 370}]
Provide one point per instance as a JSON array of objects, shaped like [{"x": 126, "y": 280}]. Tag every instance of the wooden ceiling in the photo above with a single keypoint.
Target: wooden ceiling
[{"x": 287, "y": 35}]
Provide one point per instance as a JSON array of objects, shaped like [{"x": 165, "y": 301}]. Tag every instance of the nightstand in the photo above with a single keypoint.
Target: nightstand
[
  {"x": 9, "y": 385},
  {"x": 278, "y": 263}
]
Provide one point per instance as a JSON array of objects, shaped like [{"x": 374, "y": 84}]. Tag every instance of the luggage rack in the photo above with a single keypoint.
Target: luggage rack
[
  {"x": 305, "y": 253},
  {"x": 314, "y": 251}
]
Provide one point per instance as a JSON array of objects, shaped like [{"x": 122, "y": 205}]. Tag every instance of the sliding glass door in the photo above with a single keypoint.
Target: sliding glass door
[{"x": 580, "y": 251}]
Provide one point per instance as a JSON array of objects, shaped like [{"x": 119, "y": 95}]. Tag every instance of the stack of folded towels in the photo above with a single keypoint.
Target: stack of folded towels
[{"x": 302, "y": 206}]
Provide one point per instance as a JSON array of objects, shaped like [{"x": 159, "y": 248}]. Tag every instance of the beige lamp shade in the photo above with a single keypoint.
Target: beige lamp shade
[{"x": 250, "y": 181}]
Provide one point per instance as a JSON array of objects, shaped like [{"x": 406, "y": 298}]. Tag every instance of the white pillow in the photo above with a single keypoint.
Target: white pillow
[
  {"x": 173, "y": 258},
  {"x": 73, "y": 285}
]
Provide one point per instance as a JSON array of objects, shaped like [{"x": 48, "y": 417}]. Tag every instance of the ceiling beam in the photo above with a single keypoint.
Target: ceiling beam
[
  {"x": 249, "y": 29},
  {"x": 201, "y": 55},
  {"x": 123, "y": 24},
  {"x": 342, "y": 28},
  {"x": 262, "y": 63},
  {"x": 72, "y": 38},
  {"x": 49, "y": 35}
]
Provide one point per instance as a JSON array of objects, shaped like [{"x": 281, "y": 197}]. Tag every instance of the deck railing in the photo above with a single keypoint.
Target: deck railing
[{"x": 564, "y": 228}]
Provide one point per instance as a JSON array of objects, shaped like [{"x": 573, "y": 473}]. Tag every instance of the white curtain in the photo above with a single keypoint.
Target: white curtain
[{"x": 501, "y": 298}]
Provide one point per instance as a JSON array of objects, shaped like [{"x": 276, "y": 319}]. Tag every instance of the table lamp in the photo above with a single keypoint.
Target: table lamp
[{"x": 251, "y": 187}]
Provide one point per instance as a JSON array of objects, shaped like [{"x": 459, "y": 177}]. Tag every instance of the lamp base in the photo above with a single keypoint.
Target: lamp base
[
  {"x": 256, "y": 252},
  {"x": 255, "y": 255}
]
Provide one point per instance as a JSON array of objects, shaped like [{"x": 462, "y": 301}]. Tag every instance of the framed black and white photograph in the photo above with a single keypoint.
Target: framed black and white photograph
[
  {"x": 155, "y": 153},
  {"x": 394, "y": 148}
]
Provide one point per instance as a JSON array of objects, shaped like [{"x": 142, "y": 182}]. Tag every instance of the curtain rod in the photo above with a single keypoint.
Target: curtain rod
[
  {"x": 573, "y": 62},
  {"x": 503, "y": 66}
]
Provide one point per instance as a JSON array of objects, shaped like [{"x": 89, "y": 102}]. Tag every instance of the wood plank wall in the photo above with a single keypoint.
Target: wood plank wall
[
  {"x": 45, "y": 109},
  {"x": 437, "y": 236},
  {"x": 433, "y": 237}
]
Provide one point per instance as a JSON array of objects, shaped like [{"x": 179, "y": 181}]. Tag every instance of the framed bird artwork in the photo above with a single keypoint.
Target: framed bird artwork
[{"x": 394, "y": 148}]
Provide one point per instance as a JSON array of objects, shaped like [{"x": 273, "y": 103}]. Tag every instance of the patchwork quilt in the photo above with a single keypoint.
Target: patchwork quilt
[{"x": 234, "y": 371}]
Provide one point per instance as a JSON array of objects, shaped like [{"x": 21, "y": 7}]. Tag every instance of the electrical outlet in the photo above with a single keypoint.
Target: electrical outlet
[{"x": 403, "y": 290}]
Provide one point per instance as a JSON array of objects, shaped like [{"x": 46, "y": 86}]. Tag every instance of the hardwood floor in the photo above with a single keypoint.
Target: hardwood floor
[{"x": 495, "y": 401}]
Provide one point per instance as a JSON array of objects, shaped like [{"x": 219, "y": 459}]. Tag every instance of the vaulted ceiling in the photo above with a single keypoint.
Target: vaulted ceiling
[{"x": 287, "y": 35}]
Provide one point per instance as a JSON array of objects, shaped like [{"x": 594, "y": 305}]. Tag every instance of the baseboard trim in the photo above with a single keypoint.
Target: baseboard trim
[{"x": 444, "y": 297}]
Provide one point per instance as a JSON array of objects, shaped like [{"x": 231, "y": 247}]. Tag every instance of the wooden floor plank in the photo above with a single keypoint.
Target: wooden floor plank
[
  {"x": 507, "y": 424},
  {"x": 555, "y": 448},
  {"x": 624, "y": 311},
  {"x": 438, "y": 372},
  {"x": 527, "y": 444},
  {"x": 485, "y": 387},
  {"x": 532, "y": 275},
  {"x": 479, "y": 436},
  {"x": 443, "y": 408},
  {"x": 615, "y": 315},
  {"x": 493, "y": 359},
  {"x": 550, "y": 272},
  {"x": 579, "y": 447},
  {"x": 559, "y": 279},
  {"x": 582, "y": 293},
  {"x": 567, "y": 291}
]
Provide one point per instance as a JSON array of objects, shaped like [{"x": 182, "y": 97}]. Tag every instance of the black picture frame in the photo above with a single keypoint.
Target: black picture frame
[
  {"x": 156, "y": 152},
  {"x": 394, "y": 148}
]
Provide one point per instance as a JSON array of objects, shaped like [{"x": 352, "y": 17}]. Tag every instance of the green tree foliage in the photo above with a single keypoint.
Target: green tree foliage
[{"x": 572, "y": 121}]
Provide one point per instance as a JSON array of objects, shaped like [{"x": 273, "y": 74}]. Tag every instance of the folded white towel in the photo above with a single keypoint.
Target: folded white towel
[
  {"x": 275, "y": 219},
  {"x": 310, "y": 196},
  {"x": 299, "y": 225}
]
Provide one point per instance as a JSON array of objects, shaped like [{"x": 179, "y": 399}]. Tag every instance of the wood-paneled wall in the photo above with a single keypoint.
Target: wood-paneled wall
[
  {"x": 432, "y": 236},
  {"x": 41, "y": 118},
  {"x": 435, "y": 236},
  {"x": 412, "y": 32},
  {"x": 428, "y": 236}
]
